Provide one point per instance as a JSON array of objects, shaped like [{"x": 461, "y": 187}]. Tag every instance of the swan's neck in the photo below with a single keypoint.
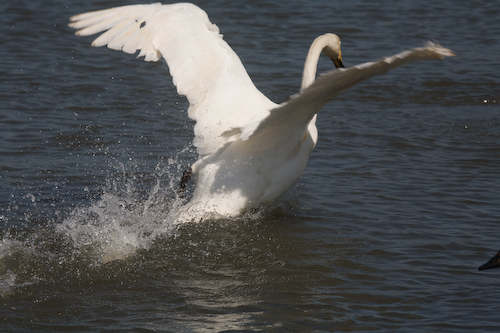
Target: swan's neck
[
  {"x": 311, "y": 64},
  {"x": 327, "y": 43}
]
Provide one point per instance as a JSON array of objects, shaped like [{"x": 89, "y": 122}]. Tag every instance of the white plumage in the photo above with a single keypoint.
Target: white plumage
[{"x": 251, "y": 150}]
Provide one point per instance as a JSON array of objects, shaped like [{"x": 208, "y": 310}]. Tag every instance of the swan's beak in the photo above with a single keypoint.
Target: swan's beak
[
  {"x": 492, "y": 263},
  {"x": 338, "y": 62}
]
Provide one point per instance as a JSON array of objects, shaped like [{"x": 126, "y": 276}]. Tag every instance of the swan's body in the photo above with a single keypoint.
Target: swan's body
[{"x": 251, "y": 150}]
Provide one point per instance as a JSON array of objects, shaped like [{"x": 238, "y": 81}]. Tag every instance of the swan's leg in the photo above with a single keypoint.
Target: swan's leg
[{"x": 186, "y": 176}]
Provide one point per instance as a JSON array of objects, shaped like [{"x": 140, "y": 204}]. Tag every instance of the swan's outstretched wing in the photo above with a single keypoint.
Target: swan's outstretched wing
[
  {"x": 203, "y": 66},
  {"x": 299, "y": 110}
]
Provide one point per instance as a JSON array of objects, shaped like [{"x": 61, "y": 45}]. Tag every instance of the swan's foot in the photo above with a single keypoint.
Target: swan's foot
[{"x": 186, "y": 176}]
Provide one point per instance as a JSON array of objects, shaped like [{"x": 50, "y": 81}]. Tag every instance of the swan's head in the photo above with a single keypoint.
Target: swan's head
[
  {"x": 492, "y": 263},
  {"x": 329, "y": 45},
  {"x": 331, "y": 48}
]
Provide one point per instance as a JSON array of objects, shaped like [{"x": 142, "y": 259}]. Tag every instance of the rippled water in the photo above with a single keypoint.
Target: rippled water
[{"x": 399, "y": 205}]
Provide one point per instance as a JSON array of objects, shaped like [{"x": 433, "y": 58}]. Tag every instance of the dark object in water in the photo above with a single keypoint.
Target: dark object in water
[{"x": 492, "y": 263}]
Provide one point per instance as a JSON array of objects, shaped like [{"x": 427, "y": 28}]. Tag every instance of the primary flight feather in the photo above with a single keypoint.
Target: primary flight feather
[{"x": 251, "y": 150}]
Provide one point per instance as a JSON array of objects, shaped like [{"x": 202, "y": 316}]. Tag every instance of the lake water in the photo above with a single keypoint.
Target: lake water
[{"x": 399, "y": 205}]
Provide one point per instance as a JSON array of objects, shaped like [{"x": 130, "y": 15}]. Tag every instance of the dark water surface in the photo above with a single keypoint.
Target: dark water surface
[{"x": 399, "y": 205}]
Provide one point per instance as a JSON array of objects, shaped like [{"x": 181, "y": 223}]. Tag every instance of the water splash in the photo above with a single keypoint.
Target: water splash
[
  {"x": 7, "y": 276},
  {"x": 135, "y": 207},
  {"x": 133, "y": 210}
]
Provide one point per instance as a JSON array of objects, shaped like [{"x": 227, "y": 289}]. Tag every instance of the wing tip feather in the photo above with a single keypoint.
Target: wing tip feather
[{"x": 440, "y": 51}]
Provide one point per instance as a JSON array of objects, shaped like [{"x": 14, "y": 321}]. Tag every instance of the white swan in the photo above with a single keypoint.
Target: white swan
[{"x": 251, "y": 150}]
